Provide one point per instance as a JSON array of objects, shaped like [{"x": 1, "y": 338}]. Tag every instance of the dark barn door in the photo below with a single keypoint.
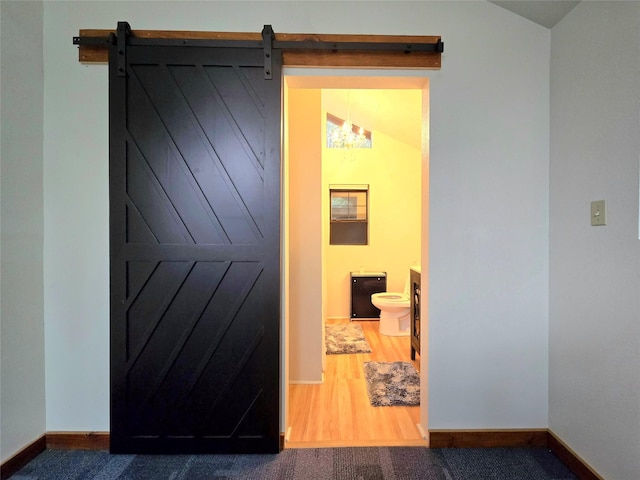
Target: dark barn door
[{"x": 195, "y": 250}]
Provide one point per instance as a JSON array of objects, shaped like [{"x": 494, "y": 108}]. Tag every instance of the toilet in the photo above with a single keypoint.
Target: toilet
[{"x": 394, "y": 312}]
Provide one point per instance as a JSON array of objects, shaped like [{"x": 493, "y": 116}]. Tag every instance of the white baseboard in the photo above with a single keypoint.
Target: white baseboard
[
  {"x": 423, "y": 434},
  {"x": 308, "y": 382}
]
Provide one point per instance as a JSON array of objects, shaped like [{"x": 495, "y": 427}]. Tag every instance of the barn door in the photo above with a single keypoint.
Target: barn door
[{"x": 195, "y": 248}]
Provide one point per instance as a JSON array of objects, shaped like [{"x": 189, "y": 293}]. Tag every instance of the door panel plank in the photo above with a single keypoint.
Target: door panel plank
[
  {"x": 152, "y": 203},
  {"x": 168, "y": 165},
  {"x": 195, "y": 249}
]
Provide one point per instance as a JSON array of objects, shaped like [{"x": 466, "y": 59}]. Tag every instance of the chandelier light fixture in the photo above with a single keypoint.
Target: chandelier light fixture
[
  {"x": 348, "y": 136},
  {"x": 344, "y": 134}
]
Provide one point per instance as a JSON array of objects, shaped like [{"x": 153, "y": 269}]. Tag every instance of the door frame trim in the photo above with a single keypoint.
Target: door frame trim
[{"x": 365, "y": 79}]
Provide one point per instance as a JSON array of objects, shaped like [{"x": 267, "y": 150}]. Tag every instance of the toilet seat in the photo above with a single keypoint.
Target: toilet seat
[{"x": 391, "y": 299}]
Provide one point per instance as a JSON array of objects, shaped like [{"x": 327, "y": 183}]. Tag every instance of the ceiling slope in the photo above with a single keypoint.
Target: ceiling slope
[{"x": 543, "y": 12}]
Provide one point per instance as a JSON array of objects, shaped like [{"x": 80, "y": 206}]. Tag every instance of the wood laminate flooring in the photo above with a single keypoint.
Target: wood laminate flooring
[{"x": 337, "y": 413}]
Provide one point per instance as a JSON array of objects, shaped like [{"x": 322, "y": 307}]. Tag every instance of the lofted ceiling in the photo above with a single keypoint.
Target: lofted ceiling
[
  {"x": 396, "y": 113},
  {"x": 543, "y": 12}
]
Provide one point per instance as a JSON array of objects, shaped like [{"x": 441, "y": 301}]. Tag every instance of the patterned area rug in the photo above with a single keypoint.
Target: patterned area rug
[
  {"x": 345, "y": 338},
  {"x": 392, "y": 383}
]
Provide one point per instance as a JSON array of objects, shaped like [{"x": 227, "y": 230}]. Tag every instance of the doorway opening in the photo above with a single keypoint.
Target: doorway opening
[{"x": 323, "y": 402}]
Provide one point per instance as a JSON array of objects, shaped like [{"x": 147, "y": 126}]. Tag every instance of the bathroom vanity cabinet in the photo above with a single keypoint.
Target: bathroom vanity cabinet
[
  {"x": 363, "y": 285},
  {"x": 414, "y": 291}
]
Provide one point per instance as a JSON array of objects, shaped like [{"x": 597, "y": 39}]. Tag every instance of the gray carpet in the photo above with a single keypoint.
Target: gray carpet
[
  {"x": 361, "y": 463},
  {"x": 392, "y": 384},
  {"x": 345, "y": 338}
]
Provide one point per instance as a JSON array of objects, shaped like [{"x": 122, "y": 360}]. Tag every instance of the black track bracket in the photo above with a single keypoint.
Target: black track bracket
[
  {"x": 267, "y": 43},
  {"x": 123, "y": 32}
]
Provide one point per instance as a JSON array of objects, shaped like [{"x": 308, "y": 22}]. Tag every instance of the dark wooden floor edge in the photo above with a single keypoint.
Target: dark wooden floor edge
[
  {"x": 90, "y": 440},
  {"x": 24, "y": 456},
  {"x": 488, "y": 438},
  {"x": 78, "y": 440},
  {"x": 576, "y": 464},
  {"x": 514, "y": 438}
]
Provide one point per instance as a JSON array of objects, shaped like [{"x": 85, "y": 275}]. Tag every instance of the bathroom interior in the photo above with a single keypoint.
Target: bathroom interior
[{"x": 326, "y": 395}]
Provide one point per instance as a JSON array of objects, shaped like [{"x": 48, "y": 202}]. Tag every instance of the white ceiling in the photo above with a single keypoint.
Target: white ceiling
[{"x": 543, "y": 12}]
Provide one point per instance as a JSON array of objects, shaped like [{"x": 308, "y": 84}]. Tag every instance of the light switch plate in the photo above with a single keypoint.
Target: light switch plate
[{"x": 598, "y": 213}]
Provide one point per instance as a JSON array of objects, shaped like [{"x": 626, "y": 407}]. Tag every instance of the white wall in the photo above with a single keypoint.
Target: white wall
[
  {"x": 22, "y": 394},
  {"x": 76, "y": 222},
  {"x": 594, "y": 393},
  {"x": 489, "y": 189},
  {"x": 488, "y": 246}
]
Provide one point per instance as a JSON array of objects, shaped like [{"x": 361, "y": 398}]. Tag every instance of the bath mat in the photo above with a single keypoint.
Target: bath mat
[
  {"x": 392, "y": 383},
  {"x": 345, "y": 338}
]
